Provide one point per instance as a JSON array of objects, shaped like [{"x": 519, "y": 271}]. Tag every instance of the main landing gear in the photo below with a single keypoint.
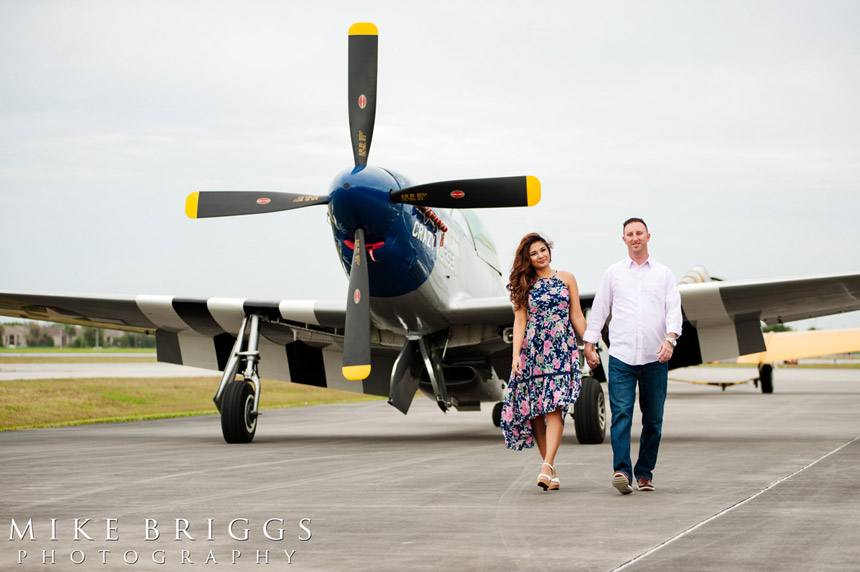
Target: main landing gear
[
  {"x": 765, "y": 377},
  {"x": 238, "y": 399},
  {"x": 589, "y": 413},
  {"x": 497, "y": 414}
]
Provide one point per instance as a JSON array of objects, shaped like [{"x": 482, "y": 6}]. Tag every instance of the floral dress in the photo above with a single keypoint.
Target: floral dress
[{"x": 550, "y": 364}]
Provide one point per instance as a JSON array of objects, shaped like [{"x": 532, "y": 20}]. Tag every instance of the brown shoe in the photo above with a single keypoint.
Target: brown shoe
[
  {"x": 544, "y": 479},
  {"x": 622, "y": 482},
  {"x": 645, "y": 484}
]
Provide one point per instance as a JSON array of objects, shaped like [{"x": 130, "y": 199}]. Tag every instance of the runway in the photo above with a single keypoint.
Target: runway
[
  {"x": 12, "y": 371},
  {"x": 745, "y": 481},
  {"x": 127, "y": 365}
]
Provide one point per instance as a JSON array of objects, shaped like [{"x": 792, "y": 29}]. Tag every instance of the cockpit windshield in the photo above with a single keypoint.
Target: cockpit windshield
[{"x": 482, "y": 240}]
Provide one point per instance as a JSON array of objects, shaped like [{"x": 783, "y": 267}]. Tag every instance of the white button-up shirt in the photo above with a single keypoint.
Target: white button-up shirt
[{"x": 645, "y": 306}]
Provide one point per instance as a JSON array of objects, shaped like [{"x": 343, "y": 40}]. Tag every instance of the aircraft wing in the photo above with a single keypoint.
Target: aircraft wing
[
  {"x": 144, "y": 313},
  {"x": 301, "y": 340},
  {"x": 723, "y": 318},
  {"x": 722, "y": 321},
  {"x": 782, "y": 346}
]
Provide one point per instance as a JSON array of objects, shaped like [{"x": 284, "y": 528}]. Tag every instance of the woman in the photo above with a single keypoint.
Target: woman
[{"x": 545, "y": 375}]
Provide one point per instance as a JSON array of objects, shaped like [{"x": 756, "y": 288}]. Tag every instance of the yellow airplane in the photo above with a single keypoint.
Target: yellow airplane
[{"x": 788, "y": 346}]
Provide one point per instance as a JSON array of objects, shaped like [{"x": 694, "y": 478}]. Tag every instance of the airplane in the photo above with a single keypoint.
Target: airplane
[
  {"x": 792, "y": 346},
  {"x": 426, "y": 309},
  {"x": 787, "y": 347},
  {"x": 724, "y": 319}
]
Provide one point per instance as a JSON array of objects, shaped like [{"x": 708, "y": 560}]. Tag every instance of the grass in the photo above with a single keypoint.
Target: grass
[
  {"x": 790, "y": 366},
  {"x": 67, "y": 350},
  {"x": 78, "y": 358},
  {"x": 822, "y": 366},
  {"x": 76, "y": 355},
  {"x": 60, "y": 402}
]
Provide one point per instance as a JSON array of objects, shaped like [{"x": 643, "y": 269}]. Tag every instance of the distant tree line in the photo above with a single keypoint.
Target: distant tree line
[
  {"x": 93, "y": 337},
  {"x": 83, "y": 337},
  {"x": 135, "y": 340},
  {"x": 776, "y": 328},
  {"x": 39, "y": 338}
]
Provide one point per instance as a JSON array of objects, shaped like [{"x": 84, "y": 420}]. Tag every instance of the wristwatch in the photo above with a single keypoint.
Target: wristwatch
[{"x": 673, "y": 341}]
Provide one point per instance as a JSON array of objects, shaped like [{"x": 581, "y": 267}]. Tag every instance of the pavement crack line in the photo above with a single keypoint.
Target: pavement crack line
[{"x": 731, "y": 508}]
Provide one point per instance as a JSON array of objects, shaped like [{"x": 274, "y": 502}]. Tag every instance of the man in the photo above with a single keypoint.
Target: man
[{"x": 646, "y": 322}]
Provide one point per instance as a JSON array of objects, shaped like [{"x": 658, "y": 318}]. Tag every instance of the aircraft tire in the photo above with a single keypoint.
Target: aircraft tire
[
  {"x": 765, "y": 374},
  {"x": 589, "y": 413},
  {"x": 497, "y": 414},
  {"x": 237, "y": 424}
]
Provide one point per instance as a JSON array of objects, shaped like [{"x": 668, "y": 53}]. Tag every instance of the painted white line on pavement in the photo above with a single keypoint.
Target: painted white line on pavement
[{"x": 731, "y": 508}]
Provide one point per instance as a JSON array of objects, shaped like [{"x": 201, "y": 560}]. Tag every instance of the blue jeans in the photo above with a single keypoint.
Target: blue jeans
[{"x": 652, "y": 378}]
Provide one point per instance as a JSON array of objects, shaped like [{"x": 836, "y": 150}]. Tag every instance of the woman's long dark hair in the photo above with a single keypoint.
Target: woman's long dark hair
[{"x": 523, "y": 274}]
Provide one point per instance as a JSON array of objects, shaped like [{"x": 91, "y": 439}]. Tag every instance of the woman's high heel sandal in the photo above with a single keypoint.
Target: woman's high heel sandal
[
  {"x": 554, "y": 483},
  {"x": 545, "y": 480}
]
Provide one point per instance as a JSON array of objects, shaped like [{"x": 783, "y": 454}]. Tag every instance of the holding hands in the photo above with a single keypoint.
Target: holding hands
[
  {"x": 591, "y": 356},
  {"x": 516, "y": 365}
]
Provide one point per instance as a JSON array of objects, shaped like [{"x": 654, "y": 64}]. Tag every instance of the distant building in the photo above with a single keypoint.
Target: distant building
[
  {"x": 15, "y": 335},
  {"x": 62, "y": 336},
  {"x": 107, "y": 337}
]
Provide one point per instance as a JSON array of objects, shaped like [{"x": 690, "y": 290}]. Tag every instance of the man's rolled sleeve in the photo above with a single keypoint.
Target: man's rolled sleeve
[{"x": 674, "y": 317}]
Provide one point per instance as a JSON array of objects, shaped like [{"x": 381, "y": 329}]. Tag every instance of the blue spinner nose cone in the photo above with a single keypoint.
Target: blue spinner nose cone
[{"x": 359, "y": 198}]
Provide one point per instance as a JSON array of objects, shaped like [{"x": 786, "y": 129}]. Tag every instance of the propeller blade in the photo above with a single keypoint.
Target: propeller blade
[
  {"x": 473, "y": 193},
  {"x": 356, "y": 343},
  {"x": 363, "y": 50},
  {"x": 206, "y": 204}
]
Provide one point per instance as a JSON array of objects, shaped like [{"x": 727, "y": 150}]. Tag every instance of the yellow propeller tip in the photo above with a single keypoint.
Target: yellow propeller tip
[
  {"x": 532, "y": 190},
  {"x": 363, "y": 29},
  {"x": 191, "y": 205},
  {"x": 356, "y": 372}
]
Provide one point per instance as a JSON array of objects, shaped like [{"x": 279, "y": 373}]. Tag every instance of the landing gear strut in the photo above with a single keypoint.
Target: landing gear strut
[
  {"x": 437, "y": 378},
  {"x": 238, "y": 399}
]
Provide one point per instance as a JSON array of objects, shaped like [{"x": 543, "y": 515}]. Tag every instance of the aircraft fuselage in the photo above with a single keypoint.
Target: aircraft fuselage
[{"x": 417, "y": 264}]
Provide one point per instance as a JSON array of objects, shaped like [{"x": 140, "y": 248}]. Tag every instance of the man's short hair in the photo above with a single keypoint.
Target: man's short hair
[{"x": 634, "y": 219}]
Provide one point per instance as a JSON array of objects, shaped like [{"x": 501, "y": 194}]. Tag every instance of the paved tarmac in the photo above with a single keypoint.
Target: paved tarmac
[
  {"x": 13, "y": 371},
  {"x": 745, "y": 481}
]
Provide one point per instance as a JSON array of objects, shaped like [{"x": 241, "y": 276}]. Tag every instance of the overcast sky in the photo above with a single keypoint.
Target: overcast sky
[{"x": 732, "y": 128}]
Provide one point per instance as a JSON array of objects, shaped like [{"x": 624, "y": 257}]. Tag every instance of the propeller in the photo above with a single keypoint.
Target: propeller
[
  {"x": 468, "y": 193},
  {"x": 206, "y": 204},
  {"x": 356, "y": 338},
  {"x": 473, "y": 193},
  {"x": 361, "y": 91},
  {"x": 363, "y": 52}
]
